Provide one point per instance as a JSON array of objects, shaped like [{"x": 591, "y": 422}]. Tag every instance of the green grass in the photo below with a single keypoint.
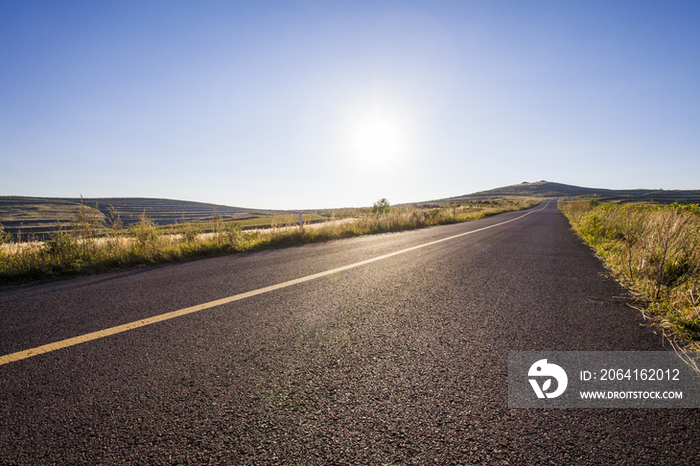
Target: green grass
[
  {"x": 652, "y": 249},
  {"x": 278, "y": 221},
  {"x": 94, "y": 244}
]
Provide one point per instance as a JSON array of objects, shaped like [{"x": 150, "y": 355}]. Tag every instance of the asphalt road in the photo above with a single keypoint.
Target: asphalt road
[{"x": 398, "y": 361}]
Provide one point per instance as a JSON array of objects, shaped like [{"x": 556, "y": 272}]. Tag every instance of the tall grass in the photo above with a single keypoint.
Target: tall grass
[
  {"x": 89, "y": 245},
  {"x": 654, "y": 250}
]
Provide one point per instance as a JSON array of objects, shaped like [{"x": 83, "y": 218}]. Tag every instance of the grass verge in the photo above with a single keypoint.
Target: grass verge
[
  {"x": 654, "y": 251},
  {"x": 92, "y": 244}
]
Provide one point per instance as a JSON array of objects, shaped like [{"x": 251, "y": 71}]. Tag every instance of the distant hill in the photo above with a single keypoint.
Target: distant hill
[
  {"x": 549, "y": 189},
  {"x": 40, "y": 216}
]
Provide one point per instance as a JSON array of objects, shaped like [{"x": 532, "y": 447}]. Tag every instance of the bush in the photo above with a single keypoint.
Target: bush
[{"x": 382, "y": 206}]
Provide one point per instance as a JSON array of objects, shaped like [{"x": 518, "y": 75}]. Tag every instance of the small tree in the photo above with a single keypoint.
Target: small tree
[{"x": 381, "y": 206}]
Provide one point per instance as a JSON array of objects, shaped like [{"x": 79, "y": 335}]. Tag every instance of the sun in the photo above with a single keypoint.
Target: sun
[{"x": 376, "y": 137}]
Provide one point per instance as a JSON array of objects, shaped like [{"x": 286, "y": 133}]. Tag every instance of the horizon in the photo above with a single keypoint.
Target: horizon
[
  {"x": 347, "y": 206},
  {"x": 309, "y": 105}
]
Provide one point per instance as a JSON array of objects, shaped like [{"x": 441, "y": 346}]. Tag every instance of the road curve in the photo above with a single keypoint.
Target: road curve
[{"x": 397, "y": 361}]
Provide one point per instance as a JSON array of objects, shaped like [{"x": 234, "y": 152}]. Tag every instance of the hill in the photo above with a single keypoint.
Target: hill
[
  {"x": 549, "y": 189},
  {"x": 27, "y": 216}
]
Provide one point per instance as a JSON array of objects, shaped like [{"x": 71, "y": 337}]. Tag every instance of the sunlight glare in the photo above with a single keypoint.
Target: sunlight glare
[{"x": 376, "y": 138}]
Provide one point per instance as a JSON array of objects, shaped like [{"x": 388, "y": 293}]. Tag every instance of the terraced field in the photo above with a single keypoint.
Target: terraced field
[
  {"x": 27, "y": 216},
  {"x": 169, "y": 211},
  {"x": 38, "y": 217}
]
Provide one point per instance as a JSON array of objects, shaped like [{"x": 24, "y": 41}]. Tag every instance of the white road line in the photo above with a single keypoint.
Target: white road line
[{"x": 200, "y": 307}]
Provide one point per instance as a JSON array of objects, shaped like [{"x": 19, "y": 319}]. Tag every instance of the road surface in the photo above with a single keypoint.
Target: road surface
[{"x": 400, "y": 360}]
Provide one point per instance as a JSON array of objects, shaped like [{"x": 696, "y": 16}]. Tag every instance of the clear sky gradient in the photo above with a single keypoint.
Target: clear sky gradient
[{"x": 320, "y": 104}]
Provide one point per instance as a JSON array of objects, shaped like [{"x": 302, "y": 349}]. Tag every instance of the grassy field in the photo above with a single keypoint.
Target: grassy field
[
  {"x": 652, "y": 249},
  {"x": 95, "y": 242},
  {"x": 279, "y": 221}
]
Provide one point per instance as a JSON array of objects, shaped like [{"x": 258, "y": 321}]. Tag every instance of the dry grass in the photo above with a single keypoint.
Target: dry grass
[
  {"x": 655, "y": 251},
  {"x": 92, "y": 244}
]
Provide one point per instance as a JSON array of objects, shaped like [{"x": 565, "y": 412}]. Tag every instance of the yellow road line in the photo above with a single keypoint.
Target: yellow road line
[{"x": 200, "y": 307}]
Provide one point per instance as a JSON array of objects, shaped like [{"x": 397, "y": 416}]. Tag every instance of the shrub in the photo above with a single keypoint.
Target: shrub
[
  {"x": 146, "y": 235},
  {"x": 382, "y": 206}
]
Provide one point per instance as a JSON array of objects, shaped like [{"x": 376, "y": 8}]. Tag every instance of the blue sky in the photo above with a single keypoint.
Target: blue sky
[{"x": 318, "y": 104}]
